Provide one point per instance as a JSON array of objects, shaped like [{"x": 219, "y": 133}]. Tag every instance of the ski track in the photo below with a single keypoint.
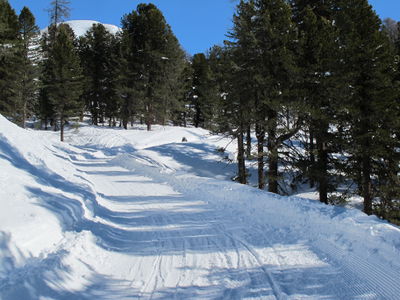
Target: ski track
[
  {"x": 156, "y": 237},
  {"x": 179, "y": 275}
]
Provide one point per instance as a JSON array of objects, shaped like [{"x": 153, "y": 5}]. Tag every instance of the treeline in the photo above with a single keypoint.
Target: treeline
[
  {"x": 318, "y": 83},
  {"x": 137, "y": 74},
  {"x": 315, "y": 82}
]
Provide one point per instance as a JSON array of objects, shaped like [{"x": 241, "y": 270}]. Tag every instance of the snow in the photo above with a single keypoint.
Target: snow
[
  {"x": 80, "y": 27},
  {"x": 115, "y": 214}
]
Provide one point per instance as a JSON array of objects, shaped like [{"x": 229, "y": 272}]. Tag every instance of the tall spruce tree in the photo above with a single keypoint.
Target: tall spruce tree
[
  {"x": 373, "y": 100},
  {"x": 99, "y": 62},
  {"x": 244, "y": 88},
  {"x": 205, "y": 94},
  {"x": 275, "y": 34},
  {"x": 62, "y": 74},
  {"x": 9, "y": 58},
  {"x": 153, "y": 60},
  {"x": 321, "y": 85},
  {"x": 181, "y": 113},
  {"x": 27, "y": 84}
]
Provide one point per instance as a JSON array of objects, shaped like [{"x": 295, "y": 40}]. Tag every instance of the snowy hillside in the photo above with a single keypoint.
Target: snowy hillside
[
  {"x": 80, "y": 27},
  {"x": 114, "y": 214}
]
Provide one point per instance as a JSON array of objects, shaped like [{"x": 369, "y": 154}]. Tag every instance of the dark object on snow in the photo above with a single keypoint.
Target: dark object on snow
[{"x": 184, "y": 140}]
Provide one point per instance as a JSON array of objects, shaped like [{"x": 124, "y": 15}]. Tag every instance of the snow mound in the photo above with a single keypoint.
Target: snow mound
[{"x": 80, "y": 27}]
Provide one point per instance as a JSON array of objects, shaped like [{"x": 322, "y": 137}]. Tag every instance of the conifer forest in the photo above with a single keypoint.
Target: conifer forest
[
  {"x": 140, "y": 158},
  {"x": 309, "y": 90}
]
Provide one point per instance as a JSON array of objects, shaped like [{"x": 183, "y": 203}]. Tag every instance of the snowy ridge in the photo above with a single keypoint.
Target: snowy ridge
[
  {"x": 136, "y": 214},
  {"x": 80, "y": 27}
]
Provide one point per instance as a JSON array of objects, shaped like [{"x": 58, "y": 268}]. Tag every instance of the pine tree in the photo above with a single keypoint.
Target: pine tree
[
  {"x": 9, "y": 61},
  {"x": 27, "y": 86},
  {"x": 59, "y": 10},
  {"x": 205, "y": 93},
  {"x": 62, "y": 74},
  {"x": 372, "y": 109},
  {"x": 321, "y": 85},
  {"x": 275, "y": 34},
  {"x": 153, "y": 60},
  {"x": 243, "y": 91},
  {"x": 181, "y": 113},
  {"x": 99, "y": 63}
]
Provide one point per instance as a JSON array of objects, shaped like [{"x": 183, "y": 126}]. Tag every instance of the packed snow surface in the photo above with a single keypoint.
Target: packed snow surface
[
  {"x": 114, "y": 214},
  {"x": 80, "y": 27}
]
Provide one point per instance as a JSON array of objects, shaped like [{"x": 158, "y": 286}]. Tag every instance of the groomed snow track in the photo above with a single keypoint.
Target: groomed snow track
[{"x": 136, "y": 227}]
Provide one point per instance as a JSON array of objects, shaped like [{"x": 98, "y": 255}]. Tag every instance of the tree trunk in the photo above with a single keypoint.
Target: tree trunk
[
  {"x": 95, "y": 116},
  {"x": 312, "y": 158},
  {"x": 272, "y": 152},
  {"x": 24, "y": 116},
  {"x": 322, "y": 169},
  {"x": 366, "y": 184},
  {"x": 273, "y": 171},
  {"x": 125, "y": 123},
  {"x": 148, "y": 116},
  {"x": 241, "y": 160},
  {"x": 248, "y": 141},
  {"x": 62, "y": 129},
  {"x": 260, "y": 133},
  {"x": 184, "y": 120},
  {"x": 197, "y": 116}
]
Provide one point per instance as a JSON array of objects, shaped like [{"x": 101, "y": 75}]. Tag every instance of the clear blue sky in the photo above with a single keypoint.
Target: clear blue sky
[{"x": 198, "y": 24}]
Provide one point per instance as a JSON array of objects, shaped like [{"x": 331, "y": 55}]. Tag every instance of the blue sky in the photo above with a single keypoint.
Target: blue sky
[{"x": 198, "y": 24}]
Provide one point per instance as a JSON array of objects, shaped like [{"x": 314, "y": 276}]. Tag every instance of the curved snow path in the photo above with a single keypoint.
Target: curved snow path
[{"x": 162, "y": 235}]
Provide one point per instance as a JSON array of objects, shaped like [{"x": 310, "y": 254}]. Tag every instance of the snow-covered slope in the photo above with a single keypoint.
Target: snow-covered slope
[
  {"x": 80, "y": 27},
  {"x": 115, "y": 214}
]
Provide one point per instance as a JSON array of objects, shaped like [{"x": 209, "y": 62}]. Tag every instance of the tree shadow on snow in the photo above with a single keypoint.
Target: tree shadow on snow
[
  {"x": 28, "y": 278},
  {"x": 192, "y": 227}
]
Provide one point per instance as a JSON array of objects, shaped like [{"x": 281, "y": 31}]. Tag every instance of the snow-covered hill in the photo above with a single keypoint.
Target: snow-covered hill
[
  {"x": 80, "y": 27},
  {"x": 114, "y": 214}
]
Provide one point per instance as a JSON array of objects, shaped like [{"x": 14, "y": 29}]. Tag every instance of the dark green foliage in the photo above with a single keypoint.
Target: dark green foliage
[
  {"x": 205, "y": 96},
  {"x": 182, "y": 112},
  {"x": 99, "y": 61},
  {"x": 152, "y": 61},
  {"x": 61, "y": 75},
  {"x": 263, "y": 42},
  {"x": 9, "y": 60},
  {"x": 321, "y": 87},
  {"x": 372, "y": 107},
  {"x": 27, "y": 84}
]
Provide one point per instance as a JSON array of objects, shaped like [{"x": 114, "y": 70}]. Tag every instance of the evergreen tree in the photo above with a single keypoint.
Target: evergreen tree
[
  {"x": 244, "y": 85},
  {"x": 321, "y": 85},
  {"x": 62, "y": 74},
  {"x": 372, "y": 109},
  {"x": 205, "y": 94},
  {"x": 181, "y": 113},
  {"x": 275, "y": 34},
  {"x": 99, "y": 63},
  {"x": 153, "y": 61},
  {"x": 9, "y": 59},
  {"x": 26, "y": 83},
  {"x": 59, "y": 10}
]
